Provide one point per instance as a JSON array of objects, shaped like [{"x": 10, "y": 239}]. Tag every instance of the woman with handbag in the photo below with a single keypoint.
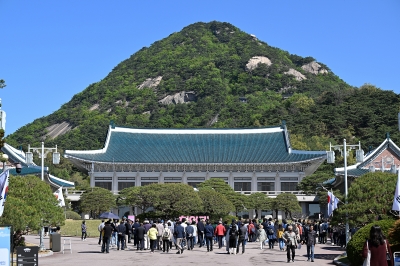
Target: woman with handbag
[{"x": 377, "y": 250}]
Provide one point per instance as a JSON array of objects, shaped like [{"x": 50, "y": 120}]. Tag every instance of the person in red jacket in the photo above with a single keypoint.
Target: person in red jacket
[{"x": 220, "y": 232}]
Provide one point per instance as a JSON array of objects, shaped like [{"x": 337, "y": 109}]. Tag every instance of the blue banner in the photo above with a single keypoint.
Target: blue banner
[{"x": 5, "y": 245}]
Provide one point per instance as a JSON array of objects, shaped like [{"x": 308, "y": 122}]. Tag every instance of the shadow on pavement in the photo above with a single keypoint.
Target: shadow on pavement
[{"x": 89, "y": 252}]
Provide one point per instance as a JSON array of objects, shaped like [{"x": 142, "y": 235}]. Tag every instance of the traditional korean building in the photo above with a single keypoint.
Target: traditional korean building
[
  {"x": 249, "y": 160},
  {"x": 384, "y": 158}
]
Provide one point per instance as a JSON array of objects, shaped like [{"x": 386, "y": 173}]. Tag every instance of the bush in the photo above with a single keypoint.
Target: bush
[
  {"x": 72, "y": 215},
  {"x": 356, "y": 244}
]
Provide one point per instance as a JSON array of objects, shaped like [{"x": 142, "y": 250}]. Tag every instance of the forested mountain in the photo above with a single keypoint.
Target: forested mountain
[{"x": 215, "y": 75}]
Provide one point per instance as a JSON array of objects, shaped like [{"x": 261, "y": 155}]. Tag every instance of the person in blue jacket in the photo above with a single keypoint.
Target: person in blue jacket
[
  {"x": 271, "y": 235},
  {"x": 209, "y": 234}
]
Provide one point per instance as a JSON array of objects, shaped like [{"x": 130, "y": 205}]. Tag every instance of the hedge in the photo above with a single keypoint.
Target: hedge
[
  {"x": 72, "y": 215},
  {"x": 356, "y": 244}
]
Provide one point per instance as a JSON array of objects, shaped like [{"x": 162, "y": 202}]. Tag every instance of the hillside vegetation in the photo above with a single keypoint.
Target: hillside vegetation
[{"x": 215, "y": 75}]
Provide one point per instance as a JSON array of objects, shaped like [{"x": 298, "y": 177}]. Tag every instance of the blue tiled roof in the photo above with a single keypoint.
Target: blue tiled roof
[
  {"x": 195, "y": 146},
  {"x": 61, "y": 182},
  {"x": 26, "y": 171},
  {"x": 354, "y": 172}
]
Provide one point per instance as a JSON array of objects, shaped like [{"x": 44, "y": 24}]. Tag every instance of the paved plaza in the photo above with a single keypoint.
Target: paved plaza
[{"x": 88, "y": 253}]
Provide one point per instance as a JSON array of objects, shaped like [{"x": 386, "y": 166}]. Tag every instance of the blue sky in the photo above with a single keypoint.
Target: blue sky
[{"x": 51, "y": 50}]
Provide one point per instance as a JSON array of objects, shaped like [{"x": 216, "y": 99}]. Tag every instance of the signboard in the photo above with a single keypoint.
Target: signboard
[
  {"x": 193, "y": 218},
  {"x": 5, "y": 245},
  {"x": 396, "y": 257},
  {"x": 131, "y": 217},
  {"x": 27, "y": 256}
]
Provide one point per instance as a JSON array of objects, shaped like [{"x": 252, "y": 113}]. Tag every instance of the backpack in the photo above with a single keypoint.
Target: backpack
[
  {"x": 232, "y": 232},
  {"x": 166, "y": 234},
  {"x": 270, "y": 231}
]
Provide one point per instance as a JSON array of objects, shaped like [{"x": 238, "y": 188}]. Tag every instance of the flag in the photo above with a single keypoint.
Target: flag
[
  {"x": 396, "y": 200},
  {"x": 332, "y": 203},
  {"x": 4, "y": 179},
  {"x": 60, "y": 197}
]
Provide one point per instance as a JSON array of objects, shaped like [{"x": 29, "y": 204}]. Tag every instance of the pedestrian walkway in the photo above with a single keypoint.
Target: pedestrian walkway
[{"x": 88, "y": 253}]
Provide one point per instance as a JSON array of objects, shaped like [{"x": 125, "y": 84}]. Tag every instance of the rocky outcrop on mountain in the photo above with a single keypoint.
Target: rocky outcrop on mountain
[
  {"x": 255, "y": 60},
  {"x": 94, "y": 107},
  {"x": 297, "y": 75},
  {"x": 180, "y": 97},
  {"x": 314, "y": 68},
  {"x": 150, "y": 83},
  {"x": 56, "y": 130}
]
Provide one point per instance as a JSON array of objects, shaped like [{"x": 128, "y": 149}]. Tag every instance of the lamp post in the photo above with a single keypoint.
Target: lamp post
[
  {"x": 42, "y": 151},
  {"x": 344, "y": 152}
]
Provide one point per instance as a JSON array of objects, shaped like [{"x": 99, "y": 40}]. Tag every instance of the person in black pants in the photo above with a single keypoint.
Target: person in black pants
[
  {"x": 200, "y": 232},
  {"x": 242, "y": 238},
  {"x": 107, "y": 232},
  {"x": 140, "y": 232},
  {"x": 209, "y": 234},
  {"x": 121, "y": 235}
]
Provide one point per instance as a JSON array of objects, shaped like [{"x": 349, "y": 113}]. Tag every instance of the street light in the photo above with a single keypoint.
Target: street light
[
  {"x": 4, "y": 159},
  {"x": 344, "y": 152},
  {"x": 29, "y": 160}
]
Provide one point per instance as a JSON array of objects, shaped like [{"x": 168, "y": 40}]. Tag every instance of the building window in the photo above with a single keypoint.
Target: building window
[
  {"x": 266, "y": 186},
  {"x": 148, "y": 183},
  {"x": 242, "y": 186},
  {"x": 106, "y": 185},
  {"x": 122, "y": 185},
  {"x": 288, "y": 186}
]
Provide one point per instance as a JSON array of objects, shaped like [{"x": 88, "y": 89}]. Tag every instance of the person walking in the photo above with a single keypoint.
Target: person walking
[
  {"x": 140, "y": 232},
  {"x": 233, "y": 234},
  {"x": 160, "y": 229},
  {"x": 121, "y": 235},
  {"x": 152, "y": 234},
  {"x": 310, "y": 239},
  {"x": 281, "y": 230},
  {"x": 242, "y": 238},
  {"x": 209, "y": 233},
  {"x": 166, "y": 238},
  {"x": 179, "y": 234},
  {"x": 271, "y": 235},
  {"x": 291, "y": 243},
  {"x": 84, "y": 228},
  {"x": 220, "y": 232},
  {"x": 189, "y": 237},
  {"x": 200, "y": 232},
  {"x": 107, "y": 232},
  {"x": 261, "y": 235},
  {"x": 379, "y": 247},
  {"x": 100, "y": 229}
]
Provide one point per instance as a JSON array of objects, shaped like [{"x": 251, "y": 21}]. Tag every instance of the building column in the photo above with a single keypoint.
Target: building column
[
  {"x": 277, "y": 182},
  {"x": 161, "y": 178},
  {"x": 138, "y": 180},
  {"x": 254, "y": 182},
  {"x": 184, "y": 178},
  {"x": 114, "y": 185},
  {"x": 231, "y": 180}
]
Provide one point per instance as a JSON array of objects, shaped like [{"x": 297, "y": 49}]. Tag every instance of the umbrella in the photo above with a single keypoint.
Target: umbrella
[{"x": 108, "y": 215}]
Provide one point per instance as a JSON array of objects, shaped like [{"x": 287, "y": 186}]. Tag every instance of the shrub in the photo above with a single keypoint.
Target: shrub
[
  {"x": 72, "y": 215},
  {"x": 356, "y": 244}
]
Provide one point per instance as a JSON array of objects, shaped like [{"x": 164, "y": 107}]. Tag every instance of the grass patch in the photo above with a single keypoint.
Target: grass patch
[{"x": 73, "y": 228}]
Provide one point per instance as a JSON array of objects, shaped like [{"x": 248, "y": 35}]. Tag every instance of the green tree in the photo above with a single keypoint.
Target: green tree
[
  {"x": 141, "y": 197},
  {"x": 214, "y": 203},
  {"x": 286, "y": 202},
  {"x": 97, "y": 201},
  {"x": 174, "y": 200},
  {"x": 30, "y": 202},
  {"x": 260, "y": 201},
  {"x": 218, "y": 184},
  {"x": 370, "y": 196}
]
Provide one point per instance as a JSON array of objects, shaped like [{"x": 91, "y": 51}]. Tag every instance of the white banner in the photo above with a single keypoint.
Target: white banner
[
  {"x": 60, "y": 197},
  {"x": 396, "y": 200},
  {"x": 4, "y": 180}
]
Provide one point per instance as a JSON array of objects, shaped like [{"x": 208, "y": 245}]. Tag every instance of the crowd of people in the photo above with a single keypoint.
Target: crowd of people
[{"x": 233, "y": 236}]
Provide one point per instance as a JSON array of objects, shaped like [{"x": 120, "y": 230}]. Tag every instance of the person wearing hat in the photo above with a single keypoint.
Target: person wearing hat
[{"x": 220, "y": 232}]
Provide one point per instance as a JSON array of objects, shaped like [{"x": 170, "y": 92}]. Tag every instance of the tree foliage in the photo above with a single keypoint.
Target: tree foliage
[
  {"x": 286, "y": 202},
  {"x": 370, "y": 196},
  {"x": 97, "y": 201},
  {"x": 30, "y": 202},
  {"x": 214, "y": 203}
]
